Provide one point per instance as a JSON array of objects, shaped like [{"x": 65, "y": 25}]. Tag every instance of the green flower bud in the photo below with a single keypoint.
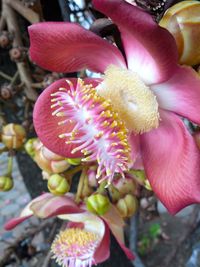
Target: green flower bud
[
  {"x": 13, "y": 136},
  {"x": 75, "y": 161},
  {"x": 58, "y": 185},
  {"x": 98, "y": 204},
  {"x": 6, "y": 183},
  {"x": 29, "y": 147},
  {"x": 127, "y": 206}
]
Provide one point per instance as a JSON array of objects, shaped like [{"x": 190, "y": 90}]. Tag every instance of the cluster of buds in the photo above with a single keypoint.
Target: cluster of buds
[
  {"x": 52, "y": 165},
  {"x": 18, "y": 54},
  {"x": 5, "y": 39},
  {"x": 48, "y": 161}
]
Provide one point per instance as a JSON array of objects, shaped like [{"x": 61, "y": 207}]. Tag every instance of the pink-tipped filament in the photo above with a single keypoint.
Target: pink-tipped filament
[{"x": 98, "y": 132}]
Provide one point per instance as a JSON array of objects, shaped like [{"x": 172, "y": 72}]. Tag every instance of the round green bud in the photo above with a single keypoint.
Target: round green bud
[
  {"x": 6, "y": 183},
  {"x": 98, "y": 204},
  {"x": 75, "y": 161},
  {"x": 58, "y": 185},
  {"x": 29, "y": 147}
]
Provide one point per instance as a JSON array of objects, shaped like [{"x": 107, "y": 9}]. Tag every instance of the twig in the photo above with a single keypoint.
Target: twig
[
  {"x": 23, "y": 69},
  {"x": 47, "y": 259},
  {"x": 5, "y": 76},
  {"x": 29, "y": 233},
  {"x": 2, "y": 23},
  {"x": 133, "y": 240},
  {"x": 26, "y": 12},
  {"x": 14, "y": 78}
]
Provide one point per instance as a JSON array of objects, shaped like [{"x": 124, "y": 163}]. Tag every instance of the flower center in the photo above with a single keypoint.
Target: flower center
[
  {"x": 75, "y": 247},
  {"x": 98, "y": 131},
  {"x": 136, "y": 104}
]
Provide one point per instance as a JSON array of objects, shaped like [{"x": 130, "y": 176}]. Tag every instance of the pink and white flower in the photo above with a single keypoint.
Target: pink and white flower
[
  {"x": 85, "y": 240},
  {"x": 146, "y": 87}
]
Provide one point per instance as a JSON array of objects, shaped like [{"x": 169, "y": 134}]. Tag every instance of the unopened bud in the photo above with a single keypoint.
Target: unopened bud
[
  {"x": 5, "y": 39},
  {"x": 75, "y": 161},
  {"x": 127, "y": 206},
  {"x": 7, "y": 91},
  {"x": 13, "y": 136},
  {"x": 58, "y": 185},
  {"x": 6, "y": 183},
  {"x": 125, "y": 186},
  {"x": 47, "y": 160},
  {"x": 114, "y": 193},
  {"x": 17, "y": 54},
  {"x": 91, "y": 173},
  {"x": 98, "y": 204},
  {"x": 29, "y": 147}
]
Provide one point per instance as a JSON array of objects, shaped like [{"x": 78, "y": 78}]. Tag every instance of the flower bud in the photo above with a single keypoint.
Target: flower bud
[
  {"x": 125, "y": 186},
  {"x": 29, "y": 147},
  {"x": 58, "y": 185},
  {"x": 13, "y": 136},
  {"x": 183, "y": 21},
  {"x": 75, "y": 161},
  {"x": 6, "y": 183},
  {"x": 127, "y": 206},
  {"x": 91, "y": 173},
  {"x": 47, "y": 160},
  {"x": 98, "y": 204}
]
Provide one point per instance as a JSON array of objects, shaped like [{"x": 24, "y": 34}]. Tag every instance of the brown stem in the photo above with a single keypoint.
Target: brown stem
[
  {"x": 23, "y": 67},
  {"x": 26, "y": 12},
  {"x": 2, "y": 23}
]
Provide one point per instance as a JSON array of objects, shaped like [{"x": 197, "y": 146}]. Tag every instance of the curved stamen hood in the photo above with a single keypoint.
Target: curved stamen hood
[{"x": 135, "y": 102}]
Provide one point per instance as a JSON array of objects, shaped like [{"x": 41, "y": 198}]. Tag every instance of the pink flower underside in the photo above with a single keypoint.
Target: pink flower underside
[
  {"x": 181, "y": 94},
  {"x": 145, "y": 43},
  {"x": 46, "y": 206},
  {"x": 172, "y": 163},
  {"x": 116, "y": 226},
  {"x": 46, "y": 125},
  {"x": 67, "y": 47}
]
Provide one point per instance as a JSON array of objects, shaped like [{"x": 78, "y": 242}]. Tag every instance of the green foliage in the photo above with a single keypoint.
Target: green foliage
[{"x": 147, "y": 241}]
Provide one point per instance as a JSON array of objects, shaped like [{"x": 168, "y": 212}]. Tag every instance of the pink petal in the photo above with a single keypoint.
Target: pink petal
[
  {"x": 116, "y": 224},
  {"x": 46, "y": 125},
  {"x": 54, "y": 206},
  {"x": 134, "y": 142},
  {"x": 67, "y": 47},
  {"x": 145, "y": 43},
  {"x": 181, "y": 94},
  {"x": 25, "y": 214},
  {"x": 14, "y": 222},
  {"x": 172, "y": 163},
  {"x": 103, "y": 251}
]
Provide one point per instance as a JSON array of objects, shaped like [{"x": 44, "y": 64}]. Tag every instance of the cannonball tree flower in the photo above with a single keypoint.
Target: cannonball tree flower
[
  {"x": 85, "y": 239},
  {"x": 138, "y": 104}
]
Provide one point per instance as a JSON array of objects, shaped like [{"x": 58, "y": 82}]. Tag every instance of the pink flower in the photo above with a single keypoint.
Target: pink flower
[
  {"x": 148, "y": 89},
  {"x": 85, "y": 240}
]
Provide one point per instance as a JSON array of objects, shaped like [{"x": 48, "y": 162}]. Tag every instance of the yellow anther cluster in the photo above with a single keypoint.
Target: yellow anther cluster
[{"x": 72, "y": 240}]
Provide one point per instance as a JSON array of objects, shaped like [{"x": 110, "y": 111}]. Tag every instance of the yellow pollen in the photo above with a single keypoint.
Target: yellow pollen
[
  {"x": 73, "y": 240},
  {"x": 131, "y": 98}
]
